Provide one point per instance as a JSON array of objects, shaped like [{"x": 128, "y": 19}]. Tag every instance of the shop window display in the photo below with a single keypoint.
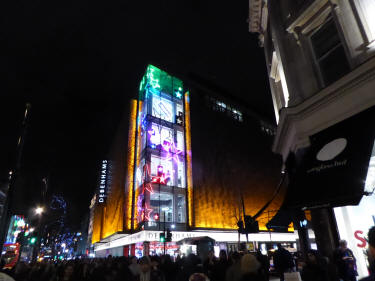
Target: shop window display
[
  {"x": 162, "y": 203},
  {"x": 162, "y": 170},
  {"x": 162, "y": 108}
]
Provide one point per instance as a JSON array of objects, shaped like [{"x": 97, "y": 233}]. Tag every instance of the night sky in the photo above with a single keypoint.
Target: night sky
[{"x": 79, "y": 62}]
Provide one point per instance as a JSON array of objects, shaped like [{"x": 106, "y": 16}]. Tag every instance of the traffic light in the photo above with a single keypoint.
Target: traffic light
[
  {"x": 169, "y": 236},
  {"x": 251, "y": 225},
  {"x": 162, "y": 237},
  {"x": 32, "y": 240}
]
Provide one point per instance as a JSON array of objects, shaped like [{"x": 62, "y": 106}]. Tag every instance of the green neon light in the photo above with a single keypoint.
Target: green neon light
[{"x": 161, "y": 81}]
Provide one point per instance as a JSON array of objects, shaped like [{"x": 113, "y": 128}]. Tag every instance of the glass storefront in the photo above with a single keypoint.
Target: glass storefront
[{"x": 354, "y": 221}]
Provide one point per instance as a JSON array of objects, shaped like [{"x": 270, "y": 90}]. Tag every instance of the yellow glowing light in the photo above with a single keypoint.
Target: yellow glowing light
[
  {"x": 218, "y": 206},
  {"x": 138, "y": 156},
  {"x": 97, "y": 224},
  {"x": 189, "y": 176},
  {"x": 130, "y": 161}
]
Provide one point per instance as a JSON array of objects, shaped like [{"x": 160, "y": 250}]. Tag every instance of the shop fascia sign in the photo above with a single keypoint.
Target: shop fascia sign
[
  {"x": 146, "y": 235},
  {"x": 103, "y": 181},
  {"x": 328, "y": 153}
]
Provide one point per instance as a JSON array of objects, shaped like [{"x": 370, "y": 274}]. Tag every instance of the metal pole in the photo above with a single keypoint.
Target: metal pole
[
  {"x": 165, "y": 236},
  {"x": 37, "y": 246},
  {"x": 7, "y": 213},
  {"x": 244, "y": 214}
]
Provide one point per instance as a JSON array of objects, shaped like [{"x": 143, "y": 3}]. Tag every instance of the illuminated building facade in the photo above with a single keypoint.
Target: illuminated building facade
[
  {"x": 183, "y": 160},
  {"x": 161, "y": 164}
]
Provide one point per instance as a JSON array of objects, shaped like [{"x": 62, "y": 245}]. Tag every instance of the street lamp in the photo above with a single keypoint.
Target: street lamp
[{"x": 39, "y": 210}]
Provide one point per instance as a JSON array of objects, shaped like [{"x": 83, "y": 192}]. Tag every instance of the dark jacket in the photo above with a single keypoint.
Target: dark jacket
[
  {"x": 251, "y": 277},
  {"x": 283, "y": 260},
  {"x": 315, "y": 272},
  {"x": 347, "y": 268}
]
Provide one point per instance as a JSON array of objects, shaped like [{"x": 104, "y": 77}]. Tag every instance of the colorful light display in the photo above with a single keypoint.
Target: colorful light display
[
  {"x": 162, "y": 146},
  {"x": 17, "y": 225}
]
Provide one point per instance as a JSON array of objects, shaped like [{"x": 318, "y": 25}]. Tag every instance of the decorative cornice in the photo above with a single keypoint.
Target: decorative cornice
[
  {"x": 339, "y": 101},
  {"x": 255, "y": 15}
]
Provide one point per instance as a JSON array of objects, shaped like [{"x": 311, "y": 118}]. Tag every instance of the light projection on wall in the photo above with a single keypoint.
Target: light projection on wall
[{"x": 161, "y": 170}]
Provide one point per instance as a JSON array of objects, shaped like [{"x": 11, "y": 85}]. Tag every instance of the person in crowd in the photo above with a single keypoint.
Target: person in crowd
[
  {"x": 345, "y": 262},
  {"x": 283, "y": 261},
  {"x": 209, "y": 264},
  {"x": 221, "y": 266},
  {"x": 5, "y": 277},
  {"x": 198, "y": 277},
  {"x": 65, "y": 273},
  {"x": 250, "y": 268},
  {"x": 134, "y": 267},
  {"x": 189, "y": 266},
  {"x": 316, "y": 267},
  {"x": 168, "y": 268},
  {"x": 371, "y": 254},
  {"x": 147, "y": 272},
  {"x": 264, "y": 265},
  {"x": 234, "y": 271},
  {"x": 21, "y": 271}
]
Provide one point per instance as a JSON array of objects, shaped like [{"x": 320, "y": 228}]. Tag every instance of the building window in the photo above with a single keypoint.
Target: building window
[
  {"x": 181, "y": 206},
  {"x": 162, "y": 203},
  {"x": 162, "y": 108},
  {"x": 366, "y": 11},
  {"x": 220, "y": 106},
  {"x": 329, "y": 53},
  {"x": 162, "y": 170},
  {"x": 160, "y": 137}
]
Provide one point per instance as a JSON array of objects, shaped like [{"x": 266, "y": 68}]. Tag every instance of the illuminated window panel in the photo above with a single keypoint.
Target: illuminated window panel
[
  {"x": 179, "y": 108},
  {"x": 180, "y": 141},
  {"x": 181, "y": 209},
  {"x": 162, "y": 108},
  {"x": 160, "y": 137},
  {"x": 162, "y": 170},
  {"x": 181, "y": 181},
  {"x": 162, "y": 203}
]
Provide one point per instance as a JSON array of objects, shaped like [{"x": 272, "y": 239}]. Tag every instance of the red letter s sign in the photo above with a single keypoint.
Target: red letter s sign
[{"x": 363, "y": 240}]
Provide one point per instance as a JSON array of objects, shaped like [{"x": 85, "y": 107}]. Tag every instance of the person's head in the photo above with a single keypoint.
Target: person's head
[
  {"x": 236, "y": 257},
  {"x": 249, "y": 264},
  {"x": 155, "y": 261},
  {"x": 145, "y": 264},
  {"x": 68, "y": 271},
  {"x": 198, "y": 277},
  {"x": 223, "y": 255},
  {"x": 133, "y": 260},
  {"x": 343, "y": 244},
  {"x": 371, "y": 242},
  {"x": 312, "y": 256},
  {"x": 211, "y": 254},
  {"x": 279, "y": 246}
]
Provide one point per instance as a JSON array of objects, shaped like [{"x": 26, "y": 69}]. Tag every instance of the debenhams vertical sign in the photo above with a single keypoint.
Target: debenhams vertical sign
[{"x": 103, "y": 181}]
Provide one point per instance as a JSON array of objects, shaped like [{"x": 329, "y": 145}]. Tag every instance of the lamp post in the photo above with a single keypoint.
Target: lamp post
[{"x": 38, "y": 211}]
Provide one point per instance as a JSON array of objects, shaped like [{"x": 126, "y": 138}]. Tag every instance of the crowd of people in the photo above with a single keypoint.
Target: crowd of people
[{"x": 235, "y": 267}]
